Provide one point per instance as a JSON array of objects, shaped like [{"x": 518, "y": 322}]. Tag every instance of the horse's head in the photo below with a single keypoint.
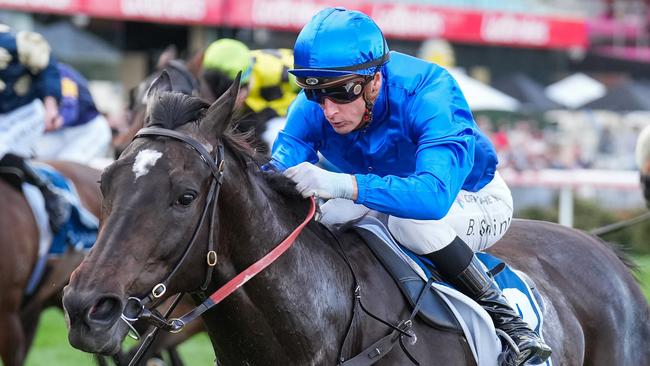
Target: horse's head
[{"x": 156, "y": 204}]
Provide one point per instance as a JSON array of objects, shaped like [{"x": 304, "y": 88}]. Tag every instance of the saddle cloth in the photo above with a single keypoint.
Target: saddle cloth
[
  {"x": 78, "y": 233},
  {"x": 446, "y": 308}
]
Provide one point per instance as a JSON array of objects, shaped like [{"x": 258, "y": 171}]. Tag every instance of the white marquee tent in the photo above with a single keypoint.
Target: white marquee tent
[
  {"x": 575, "y": 91},
  {"x": 481, "y": 96}
]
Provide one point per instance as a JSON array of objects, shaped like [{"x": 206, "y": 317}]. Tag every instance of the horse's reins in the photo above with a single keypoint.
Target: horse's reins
[
  {"x": 607, "y": 229},
  {"x": 138, "y": 306}
]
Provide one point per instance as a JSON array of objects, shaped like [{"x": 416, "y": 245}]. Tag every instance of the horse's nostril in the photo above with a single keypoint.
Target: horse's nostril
[{"x": 106, "y": 309}]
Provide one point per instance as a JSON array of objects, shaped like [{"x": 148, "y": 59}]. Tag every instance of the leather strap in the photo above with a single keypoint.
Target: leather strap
[
  {"x": 244, "y": 276},
  {"x": 205, "y": 155}
]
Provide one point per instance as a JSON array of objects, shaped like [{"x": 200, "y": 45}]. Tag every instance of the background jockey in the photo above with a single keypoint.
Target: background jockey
[
  {"x": 400, "y": 130},
  {"x": 267, "y": 87},
  {"x": 30, "y": 89},
  {"x": 84, "y": 134}
]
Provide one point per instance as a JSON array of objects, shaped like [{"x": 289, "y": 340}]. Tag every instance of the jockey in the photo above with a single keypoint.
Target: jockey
[
  {"x": 401, "y": 133},
  {"x": 267, "y": 87},
  {"x": 29, "y": 93},
  {"x": 222, "y": 60},
  {"x": 85, "y": 133}
]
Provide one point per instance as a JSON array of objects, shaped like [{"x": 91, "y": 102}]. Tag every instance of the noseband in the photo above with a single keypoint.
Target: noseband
[{"x": 136, "y": 308}]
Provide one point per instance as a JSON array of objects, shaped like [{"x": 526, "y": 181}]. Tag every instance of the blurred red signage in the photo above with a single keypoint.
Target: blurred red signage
[
  {"x": 406, "y": 21},
  {"x": 164, "y": 11},
  {"x": 176, "y": 11}
]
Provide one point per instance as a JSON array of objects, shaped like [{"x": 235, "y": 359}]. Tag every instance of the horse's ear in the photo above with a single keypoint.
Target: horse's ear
[
  {"x": 163, "y": 83},
  {"x": 218, "y": 117},
  {"x": 170, "y": 53}
]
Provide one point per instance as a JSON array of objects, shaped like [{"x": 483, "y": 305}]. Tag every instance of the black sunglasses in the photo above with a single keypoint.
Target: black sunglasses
[{"x": 344, "y": 93}]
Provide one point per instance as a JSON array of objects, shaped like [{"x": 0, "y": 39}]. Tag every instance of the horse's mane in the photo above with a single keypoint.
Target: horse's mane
[
  {"x": 283, "y": 185},
  {"x": 173, "y": 109}
]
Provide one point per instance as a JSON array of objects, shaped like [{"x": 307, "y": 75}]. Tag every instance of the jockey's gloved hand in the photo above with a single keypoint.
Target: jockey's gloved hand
[{"x": 314, "y": 181}]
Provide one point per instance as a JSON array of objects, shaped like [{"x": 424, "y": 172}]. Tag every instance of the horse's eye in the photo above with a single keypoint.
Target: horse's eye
[{"x": 186, "y": 198}]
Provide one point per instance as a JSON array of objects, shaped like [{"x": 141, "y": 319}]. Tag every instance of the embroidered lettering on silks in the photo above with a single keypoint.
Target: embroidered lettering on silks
[
  {"x": 483, "y": 228},
  {"x": 144, "y": 161},
  {"x": 485, "y": 200}
]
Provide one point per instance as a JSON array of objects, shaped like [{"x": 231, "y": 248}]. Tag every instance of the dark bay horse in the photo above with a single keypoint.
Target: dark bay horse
[
  {"x": 297, "y": 311},
  {"x": 19, "y": 244}
]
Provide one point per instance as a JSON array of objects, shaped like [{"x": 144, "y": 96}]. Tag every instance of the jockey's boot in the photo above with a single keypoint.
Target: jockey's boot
[
  {"x": 57, "y": 206},
  {"x": 473, "y": 281}
]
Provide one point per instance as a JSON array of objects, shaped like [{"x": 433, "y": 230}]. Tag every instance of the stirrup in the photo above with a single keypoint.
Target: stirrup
[
  {"x": 506, "y": 337},
  {"x": 509, "y": 355},
  {"x": 511, "y": 358}
]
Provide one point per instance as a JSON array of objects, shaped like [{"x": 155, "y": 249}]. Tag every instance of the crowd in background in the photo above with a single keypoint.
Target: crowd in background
[{"x": 564, "y": 140}]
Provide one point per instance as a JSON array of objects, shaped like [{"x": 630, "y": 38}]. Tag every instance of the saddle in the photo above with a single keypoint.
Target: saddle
[
  {"x": 13, "y": 176},
  {"x": 433, "y": 309}
]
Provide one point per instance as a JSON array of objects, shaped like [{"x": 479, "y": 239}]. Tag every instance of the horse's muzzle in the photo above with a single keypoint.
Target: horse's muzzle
[{"x": 92, "y": 319}]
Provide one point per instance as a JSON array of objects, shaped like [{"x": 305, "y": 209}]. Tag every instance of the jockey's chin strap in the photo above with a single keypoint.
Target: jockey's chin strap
[
  {"x": 137, "y": 308},
  {"x": 366, "y": 119}
]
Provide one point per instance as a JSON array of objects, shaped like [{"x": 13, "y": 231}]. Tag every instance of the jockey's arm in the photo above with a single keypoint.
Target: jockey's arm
[
  {"x": 428, "y": 193},
  {"x": 444, "y": 158},
  {"x": 72, "y": 86},
  {"x": 36, "y": 56},
  {"x": 48, "y": 83},
  {"x": 53, "y": 119}
]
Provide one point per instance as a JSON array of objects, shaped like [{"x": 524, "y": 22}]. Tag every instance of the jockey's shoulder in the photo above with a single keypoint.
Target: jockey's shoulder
[
  {"x": 29, "y": 48},
  {"x": 413, "y": 74}
]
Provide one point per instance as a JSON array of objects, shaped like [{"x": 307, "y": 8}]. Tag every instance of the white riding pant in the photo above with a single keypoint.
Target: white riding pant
[
  {"x": 21, "y": 128},
  {"x": 81, "y": 144},
  {"x": 480, "y": 219}
]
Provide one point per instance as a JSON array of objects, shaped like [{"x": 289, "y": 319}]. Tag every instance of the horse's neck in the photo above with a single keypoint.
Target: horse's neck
[
  {"x": 290, "y": 301},
  {"x": 256, "y": 218}
]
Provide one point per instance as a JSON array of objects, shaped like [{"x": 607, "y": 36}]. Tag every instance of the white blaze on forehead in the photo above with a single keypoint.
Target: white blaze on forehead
[{"x": 144, "y": 161}]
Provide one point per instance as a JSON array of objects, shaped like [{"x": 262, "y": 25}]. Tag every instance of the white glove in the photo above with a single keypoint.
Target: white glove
[
  {"x": 339, "y": 211},
  {"x": 314, "y": 181}
]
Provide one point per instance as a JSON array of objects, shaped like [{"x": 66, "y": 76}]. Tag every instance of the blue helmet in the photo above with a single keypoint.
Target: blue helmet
[{"x": 339, "y": 42}]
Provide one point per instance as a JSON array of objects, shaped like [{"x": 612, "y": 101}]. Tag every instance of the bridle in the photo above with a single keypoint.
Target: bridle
[{"x": 136, "y": 308}]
